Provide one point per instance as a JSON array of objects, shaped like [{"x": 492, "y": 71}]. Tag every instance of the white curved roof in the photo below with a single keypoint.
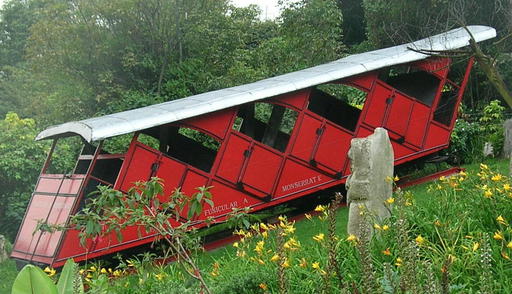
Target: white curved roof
[{"x": 125, "y": 122}]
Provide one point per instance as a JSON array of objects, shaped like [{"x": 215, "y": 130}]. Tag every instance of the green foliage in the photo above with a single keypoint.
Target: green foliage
[
  {"x": 491, "y": 125},
  {"x": 21, "y": 159},
  {"x": 32, "y": 279},
  {"x": 146, "y": 208},
  {"x": 70, "y": 282},
  {"x": 465, "y": 143},
  {"x": 469, "y": 136}
]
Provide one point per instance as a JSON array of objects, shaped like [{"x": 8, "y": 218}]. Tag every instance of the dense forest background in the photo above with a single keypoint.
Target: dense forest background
[{"x": 63, "y": 60}]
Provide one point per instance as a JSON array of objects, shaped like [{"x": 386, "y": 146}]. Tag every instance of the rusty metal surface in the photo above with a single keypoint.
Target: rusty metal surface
[{"x": 99, "y": 128}]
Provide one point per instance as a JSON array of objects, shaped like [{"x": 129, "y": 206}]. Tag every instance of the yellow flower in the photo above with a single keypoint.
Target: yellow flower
[
  {"x": 386, "y": 252},
  {"x": 483, "y": 166},
  {"x": 320, "y": 208},
  {"x": 463, "y": 173},
  {"x": 240, "y": 253},
  {"x": 264, "y": 226},
  {"x": 274, "y": 258},
  {"x": 263, "y": 286},
  {"x": 509, "y": 245},
  {"x": 236, "y": 244},
  {"x": 308, "y": 216},
  {"x": 50, "y": 271},
  {"x": 497, "y": 177},
  {"x": 303, "y": 263},
  {"x": 160, "y": 276},
  {"x": 442, "y": 178},
  {"x": 385, "y": 227},
  {"x": 498, "y": 235},
  {"x": 389, "y": 179},
  {"x": 505, "y": 255},
  {"x": 396, "y": 179},
  {"x": 398, "y": 261},
  {"x": 390, "y": 200},
  {"x": 420, "y": 240},
  {"x": 103, "y": 270},
  {"x": 319, "y": 237},
  {"x": 282, "y": 218},
  {"x": 260, "y": 261},
  {"x": 264, "y": 234},
  {"x": 259, "y": 247},
  {"x": 488, "y": 193},
  {"x": 285, "y": 264},
  {"x": 93, "y": 268},
  {"x": 117, "y": 273},
  {"x": 476, "y": 245},
  {"x": 290, "y": 229},
  {"x": 377, "y": 227},
  {"x": 351, "y": 237},
  {"x": 501, "y": 220},
  {"x": 89, "y": 275},
  {"x": 316, "y": 265}
]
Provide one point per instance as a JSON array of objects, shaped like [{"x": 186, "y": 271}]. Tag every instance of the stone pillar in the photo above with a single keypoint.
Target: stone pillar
[
  {"x": 507, "y": 145},
  {"x": 371, "y": 163},
  {"x": 3, "y": 251}
]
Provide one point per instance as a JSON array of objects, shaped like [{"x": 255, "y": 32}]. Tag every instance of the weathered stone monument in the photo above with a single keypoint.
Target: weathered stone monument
[
  {"x": 507, "y": 130},
  {"x": 3, "y": 251},
  {"x": 507, "y": 145},
  {"x": 368, "y": 187}
]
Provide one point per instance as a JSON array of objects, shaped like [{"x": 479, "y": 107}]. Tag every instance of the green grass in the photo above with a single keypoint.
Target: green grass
[{"x": 8, "y": 273}]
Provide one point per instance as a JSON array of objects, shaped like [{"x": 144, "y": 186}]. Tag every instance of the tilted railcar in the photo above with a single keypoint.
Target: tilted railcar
[{"x": 257, "y": 145}]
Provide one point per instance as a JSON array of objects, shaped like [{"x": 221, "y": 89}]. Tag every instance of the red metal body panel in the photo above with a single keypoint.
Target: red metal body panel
[{"x": 245, "y": 171}]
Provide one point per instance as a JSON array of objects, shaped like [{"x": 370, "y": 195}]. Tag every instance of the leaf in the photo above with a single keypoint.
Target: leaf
[
  {"x": 32, "y": 279},
  {"x": 209, "y": 202},
  {"x": 67, "y": 277}
]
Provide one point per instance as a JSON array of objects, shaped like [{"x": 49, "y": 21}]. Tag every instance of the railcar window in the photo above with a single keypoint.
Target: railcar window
[
  {"x": 446, "y": 107},
  {"x": 267, "y": 123},
  {"x": 190, "y": 146},
  {"x": 414, "y": 82},
  {"x": 338, "y": 103}
]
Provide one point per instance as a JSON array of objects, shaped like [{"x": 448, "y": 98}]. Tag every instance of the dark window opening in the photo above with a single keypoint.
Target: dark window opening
[
  {"x": 187, "y": 145},
  {"x": 267, "y": 123},
  {"x": 446, "y": 107},
  {"x": 107, "y": 169},
  {"x": 89, "y": 194},
  {"x": 107, "y": 165},
  {"x": 413, "y": 82},
  {"x": 338, "y": 103}
]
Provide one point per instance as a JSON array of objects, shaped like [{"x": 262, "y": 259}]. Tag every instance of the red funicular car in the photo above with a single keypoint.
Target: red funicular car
[{"x": 257, "y": 145}]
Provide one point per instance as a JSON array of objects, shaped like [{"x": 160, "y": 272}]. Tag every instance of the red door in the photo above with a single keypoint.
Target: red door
[
  {"x": 398, "y": 114},
  {"x": 250, "y": 165},
  {"x": 323, "y": 144}
]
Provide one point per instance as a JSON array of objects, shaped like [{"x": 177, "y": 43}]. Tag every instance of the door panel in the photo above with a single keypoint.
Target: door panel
[
  {"x": 262, "y": 169},
  {"x": 376, "y": 108},
  {"x": 399, "y": 114},
  {"x": 418, "y": 124},
  {"x": 333, "y": 148},
  {"x": 303, "y": 147},
  {"x": 233, "y": 158},
  {"x": 139, "y": 168}
]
